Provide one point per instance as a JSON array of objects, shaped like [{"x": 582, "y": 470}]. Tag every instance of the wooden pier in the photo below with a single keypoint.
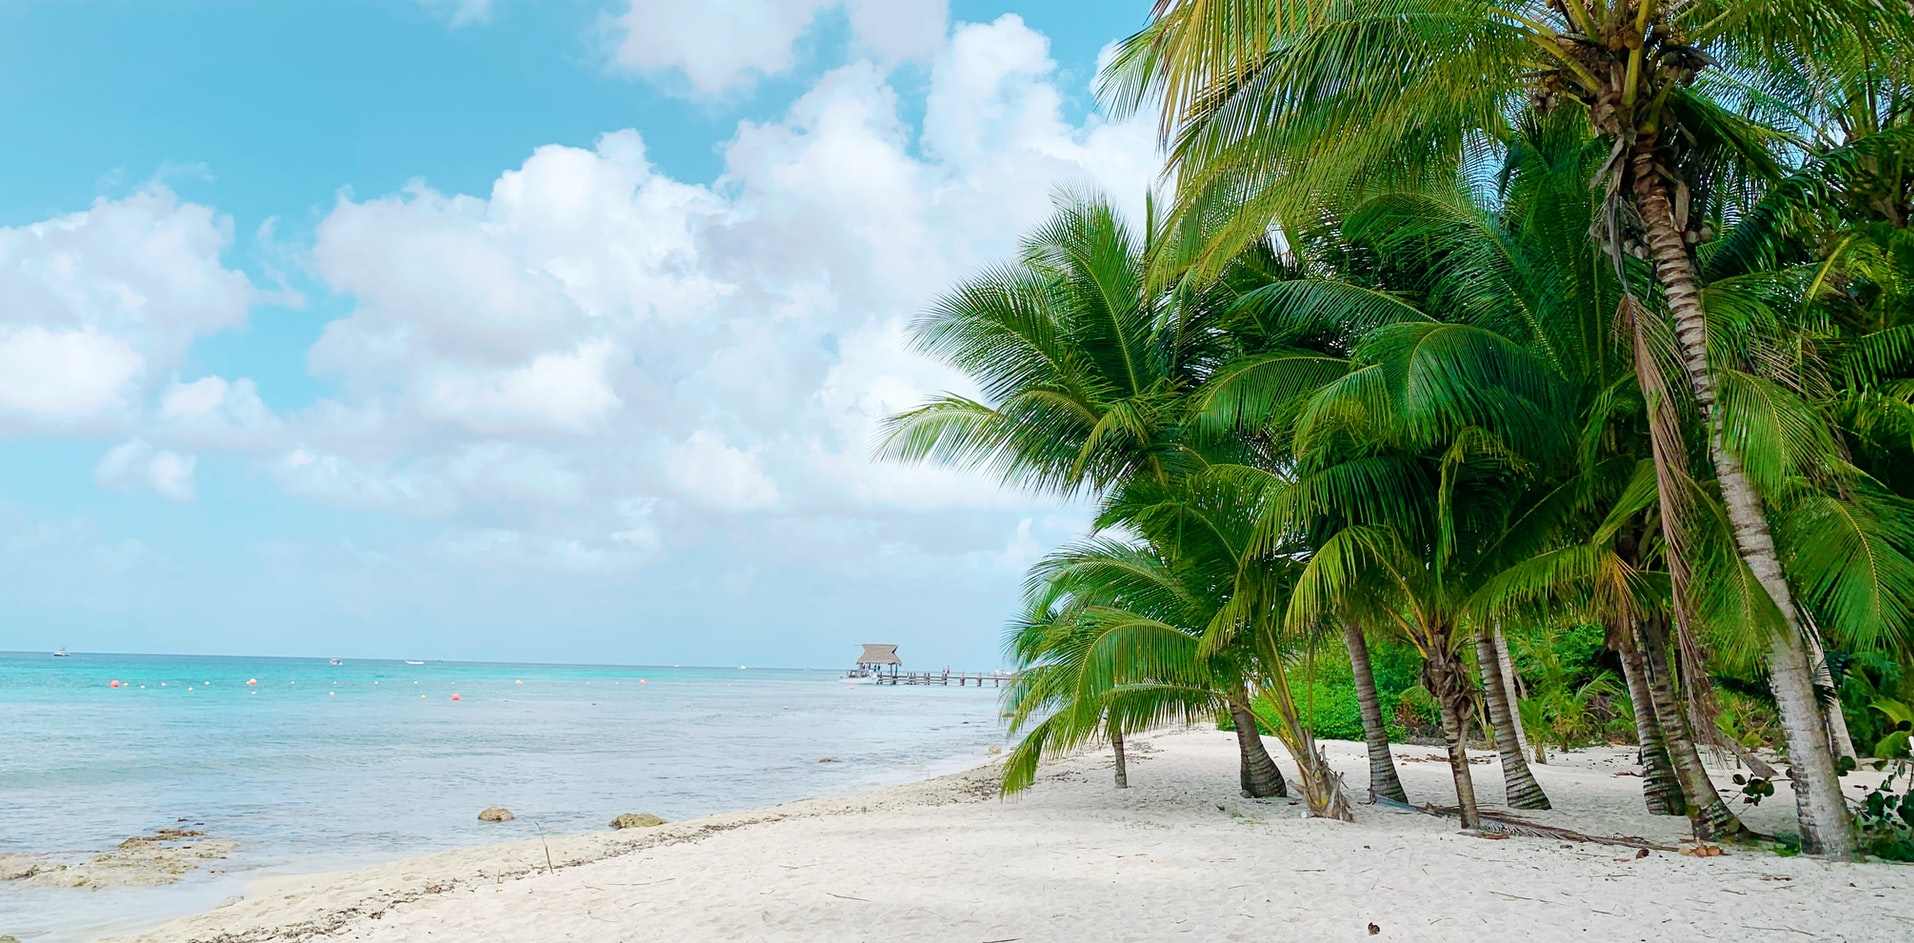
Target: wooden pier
[
  {"x": 879, "y": 663},
  {"x": 945, "y": 678}
]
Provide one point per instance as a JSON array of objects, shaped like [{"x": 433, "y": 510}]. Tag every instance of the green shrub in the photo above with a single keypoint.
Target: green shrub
[
  {"x": 1747, "y": 720},
  {"x": 1866, "y": 680},
  {"x": 1416, "y": 710}
]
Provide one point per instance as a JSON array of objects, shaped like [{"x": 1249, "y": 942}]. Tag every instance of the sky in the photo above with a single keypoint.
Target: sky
[{"x": 549, "y": 330}]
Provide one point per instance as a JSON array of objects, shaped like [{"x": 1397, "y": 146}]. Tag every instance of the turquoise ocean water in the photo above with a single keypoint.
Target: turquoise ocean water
[{"x": 318, "y": 767}]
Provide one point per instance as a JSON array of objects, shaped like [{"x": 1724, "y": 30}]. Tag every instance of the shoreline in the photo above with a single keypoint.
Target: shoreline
[
  {"x": 1179, "y": 853},
  {"x": 192, "y": 892},
  {"x": 321, "y": 769},
  {"x": 300, "y": 905}
]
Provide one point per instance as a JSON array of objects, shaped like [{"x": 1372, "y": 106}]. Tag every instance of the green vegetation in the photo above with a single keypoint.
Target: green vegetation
[{"x": 1495, "y": 371}]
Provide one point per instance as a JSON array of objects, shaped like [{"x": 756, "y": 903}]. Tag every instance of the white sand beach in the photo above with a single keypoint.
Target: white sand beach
[{"x": 1177, "y": 856}]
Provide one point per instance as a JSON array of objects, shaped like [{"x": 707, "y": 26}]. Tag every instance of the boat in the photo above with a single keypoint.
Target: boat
[
  {"x": 411, "y": 662},
  {"x": 60, "y": 652},
  {"x": 335, "y": 662}
]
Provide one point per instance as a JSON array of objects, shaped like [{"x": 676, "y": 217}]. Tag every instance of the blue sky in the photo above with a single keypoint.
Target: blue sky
[{"x": 513, "y": 330}]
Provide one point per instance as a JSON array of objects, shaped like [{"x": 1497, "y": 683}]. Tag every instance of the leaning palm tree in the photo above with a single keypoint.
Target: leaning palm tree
[
  {"x": 1113, "y": 643},
  {"x": 1518, "y": 261},
  {"x": 1520, "y": 352},
  {"x": 1080, "y": 364},
  {"x": 1209, "y": 524},
  {"x": 1399, "y": 488},
  {"x": 1085, "y": 673},
  {"x": 1272, "y": 105},
  {"x": 1384, "y": 781},
  {"x": 1083, "y": 368},
  {"x": 1604, "y": 575}
]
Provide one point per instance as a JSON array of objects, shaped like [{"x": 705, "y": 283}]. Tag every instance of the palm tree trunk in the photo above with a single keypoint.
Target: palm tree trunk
[
  {"x": 1507, "y": 665},
  {"x": 1452, "y": 718},
  {"x": 1520, "y": 787},
  {"x": 1709, "y": 816},
  {"x": 1826, "y": 827},
  {"x": 1443, "y": 675},
  {"x": 1839, "y": 739},
  {"x": 1755, "y": 764},
  {"x": 1661, "y": 790},
  {"x": 1321, "y": 785},
  {"x": 1383, "y": 780},
  {"x": 1122, "y": 761},
  {"x": 1261, "y": 779}
]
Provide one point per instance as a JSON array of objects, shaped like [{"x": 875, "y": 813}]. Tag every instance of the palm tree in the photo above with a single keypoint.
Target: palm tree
[
  {"x": 1605, "y": 577},
  {"x": 1273, "y": 104},
  {"x": 1399, "y": 484},
  {"x": 1384, "y": 782},
  {"x": 1084, "y": 370},
  {"x": 1210, "y": 523},
  {"x": 1123, "y": 635},
  {"x": 1525, "y": 304},
  {"x": 1808, "y": 299},
  {"x": 1089, "y": 668},
  {"x": 1079, "y": 371}
]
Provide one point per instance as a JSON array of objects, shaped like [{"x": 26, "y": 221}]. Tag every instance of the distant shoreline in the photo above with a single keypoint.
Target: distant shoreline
[{"x": 402, "y": 659}]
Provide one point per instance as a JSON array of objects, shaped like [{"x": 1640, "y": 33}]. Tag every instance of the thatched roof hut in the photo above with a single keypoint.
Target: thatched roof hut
[{"x": 878, "y": 656}]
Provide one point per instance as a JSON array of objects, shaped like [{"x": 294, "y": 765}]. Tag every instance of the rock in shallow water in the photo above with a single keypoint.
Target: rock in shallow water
[
  {"x": 636, "y": 820},
  {"x": 497, "y": 813},
  {"x": 162, "y": 857}
]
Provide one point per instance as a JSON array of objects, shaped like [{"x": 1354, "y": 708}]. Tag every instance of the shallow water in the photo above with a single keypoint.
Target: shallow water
[{"x": 316, "y": 767}]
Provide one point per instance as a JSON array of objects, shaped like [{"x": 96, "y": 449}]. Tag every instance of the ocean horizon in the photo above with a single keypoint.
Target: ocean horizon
[{"x": 307, "y": 766}]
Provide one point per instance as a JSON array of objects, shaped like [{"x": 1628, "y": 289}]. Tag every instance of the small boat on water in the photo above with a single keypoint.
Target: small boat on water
[
  {"x": 335, "y": 662},
  {"x": 60, "y": 652},
  {"x": 411, "y": 662}
]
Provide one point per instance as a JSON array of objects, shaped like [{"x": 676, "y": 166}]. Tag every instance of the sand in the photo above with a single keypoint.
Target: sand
[{"x": 1177, "y": 856}]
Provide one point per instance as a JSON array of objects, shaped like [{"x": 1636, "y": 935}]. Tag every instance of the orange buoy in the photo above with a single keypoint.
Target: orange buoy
[
  {"x": 252, "y": 682},
  {"x": 113, "y": 683},
  {"x": 455, "y": 696}
]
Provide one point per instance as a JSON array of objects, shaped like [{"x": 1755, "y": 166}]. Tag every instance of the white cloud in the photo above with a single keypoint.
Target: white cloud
[
  {"x": 636, "y": 529},
  {"x": 723, "y": 46},
  {"x": 214, "y": 412},
  {"x": 557, "y": 391},
  {"x": 709, "y": 472},
  {"x": 895, "y": 30},
  {"x": 515, "y": 552},
  {"x": 461, "y": 12},
  {"x": 136, "y": 464},
  {"x": 718, "y": 46},
  {"x": 561, "y": 387},
  {"x": 659, "y": 337},
  {"x": 63, "y": 378},
  {"x": 102, "y": 301},
  {"x": 593, "y": 360},
  {"x": 514, "y": 474},
  {"x": 338, "y": 480},
  {"x": 516, "y": 314}
]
